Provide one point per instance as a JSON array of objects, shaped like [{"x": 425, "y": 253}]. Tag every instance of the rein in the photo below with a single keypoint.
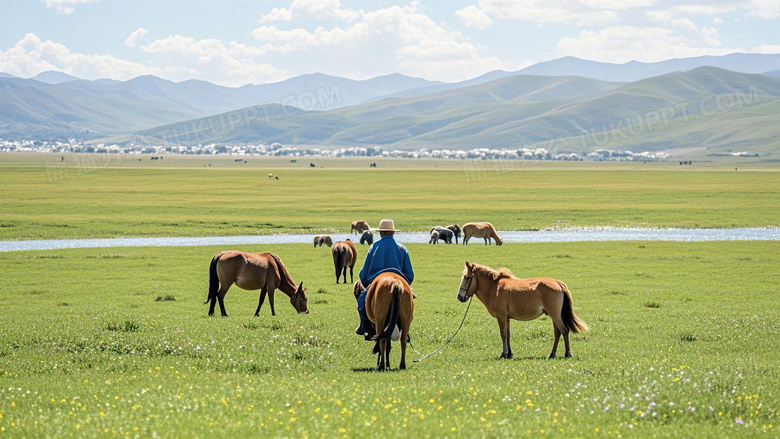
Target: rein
[{"x": 449, "y": 340}]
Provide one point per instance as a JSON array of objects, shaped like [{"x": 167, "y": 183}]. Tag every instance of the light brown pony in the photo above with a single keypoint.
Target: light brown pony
[
  {"x": 322, "y": 239},
  {"x": 344, "y": 255},
  {"x": 358, "y": 227},
  {"x": 389, "y": 303},
  {"x": 480, "y": 230},
  {"x": 507, "y": 297},
  {"x": 252, "y": 271}
]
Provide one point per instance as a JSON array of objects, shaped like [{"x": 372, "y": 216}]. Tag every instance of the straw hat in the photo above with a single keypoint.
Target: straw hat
[{"x": 387, "y": 225}]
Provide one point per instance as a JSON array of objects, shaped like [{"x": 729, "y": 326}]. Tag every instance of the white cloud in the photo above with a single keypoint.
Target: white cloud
[
  {"x": 65, "y": 6},
  {"x": 276, "y": 40},
  {"x": 717, "y": 20},
  {"x": 136, "y": 37},
  {"x": 647, "y": 44},
  {"x": 232, "y": 64},
  {"x": 31, "y": 56},
  {"x": 474, "y": 17},
  {"x": 419, "y": 46},
  {"x": 768, "y": 9},
  {"x": 578, "y": 13},
  {"x": 310, "y": 8}
]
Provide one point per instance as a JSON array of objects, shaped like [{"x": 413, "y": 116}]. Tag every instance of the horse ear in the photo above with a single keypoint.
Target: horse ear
[{"x": 300, "y": 285}]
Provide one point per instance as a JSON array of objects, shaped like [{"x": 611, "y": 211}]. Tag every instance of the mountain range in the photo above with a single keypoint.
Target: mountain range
[
  {"x": 499, "y": 109},
  {"x": 526, "y": 109}
]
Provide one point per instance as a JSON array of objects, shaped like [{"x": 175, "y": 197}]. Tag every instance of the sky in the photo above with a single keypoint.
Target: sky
[{"x": 235, "y": 42}]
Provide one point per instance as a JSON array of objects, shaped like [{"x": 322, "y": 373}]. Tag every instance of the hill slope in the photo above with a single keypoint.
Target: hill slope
[
  {"x": 52, "y": 105},
  {"x": 523, "y": 109}
]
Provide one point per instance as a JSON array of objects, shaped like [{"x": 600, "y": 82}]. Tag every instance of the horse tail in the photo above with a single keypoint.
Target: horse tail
[
  {"x": 213, "y": 279},
  {"x": 570, "y": 320},
  {"x": 339, "y": 259},
  {"x": 392, "y": 313}
]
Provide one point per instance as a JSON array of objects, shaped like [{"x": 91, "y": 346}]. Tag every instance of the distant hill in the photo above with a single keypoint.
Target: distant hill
[
  {"x": 634, "y": 70},
  {"x": 523, "y": 109},
  {"x": 774, "y": 74},
  {"x": 52, "y": 77},
  {"x": 52, "y": 106},
  {"x": 6, "y": 75}
]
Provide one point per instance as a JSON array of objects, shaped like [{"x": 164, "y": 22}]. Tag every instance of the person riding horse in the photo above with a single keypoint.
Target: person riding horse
[{"x": 385, "y": 255}]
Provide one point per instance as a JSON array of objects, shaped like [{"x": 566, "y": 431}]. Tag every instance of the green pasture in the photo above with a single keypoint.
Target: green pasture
[
  {"x": 115, "y": 342},
  {"x": 90, "y": 196}
]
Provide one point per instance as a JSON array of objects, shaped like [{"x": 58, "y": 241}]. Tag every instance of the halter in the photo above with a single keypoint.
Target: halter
[{"x": 468, "y": 287}]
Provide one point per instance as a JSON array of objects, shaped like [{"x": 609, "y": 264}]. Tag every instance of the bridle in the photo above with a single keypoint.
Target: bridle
[{"x": 470, "y": 279}]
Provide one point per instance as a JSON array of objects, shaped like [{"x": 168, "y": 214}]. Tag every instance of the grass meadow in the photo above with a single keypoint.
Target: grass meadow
[
  {"x": 116, "y": 342},
  {"x": 186, "y": 197}
]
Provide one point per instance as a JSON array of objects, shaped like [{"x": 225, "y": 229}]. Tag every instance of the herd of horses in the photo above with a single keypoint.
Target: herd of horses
[{"x": 389, "y": 301}]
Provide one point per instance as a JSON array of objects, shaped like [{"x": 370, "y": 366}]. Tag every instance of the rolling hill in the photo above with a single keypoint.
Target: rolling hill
[
  {"x": 54, "y": 106},
  {"x": 523, "y": 109}
]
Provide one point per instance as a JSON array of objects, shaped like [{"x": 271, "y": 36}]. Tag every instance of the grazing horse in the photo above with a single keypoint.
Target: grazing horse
[
  {"x": 442, "y": 233},
  {"x": 480, "y": 230},
  {"x": 344, "y": 255},
  {"x": 252, "y": 271},
  {"x": 507, "y": 297},
  {"x": 359, "y": 227},
  {"x": 434, "y": 237},
  {"x": 389, "y": 304},
  {"x": 367, "y": 237},
  {"x": 322, "y": 239}
]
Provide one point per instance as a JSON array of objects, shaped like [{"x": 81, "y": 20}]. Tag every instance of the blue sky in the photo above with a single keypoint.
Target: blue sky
[{"x": 234, "y": 42}]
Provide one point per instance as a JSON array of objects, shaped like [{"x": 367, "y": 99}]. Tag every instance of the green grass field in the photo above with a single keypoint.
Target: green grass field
[
  {"x": 186, "y": 197},
  {"x": 116, "y": 342}
]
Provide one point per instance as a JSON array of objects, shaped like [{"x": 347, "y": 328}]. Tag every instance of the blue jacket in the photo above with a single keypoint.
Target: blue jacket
[{"x": 386, "y": 255}]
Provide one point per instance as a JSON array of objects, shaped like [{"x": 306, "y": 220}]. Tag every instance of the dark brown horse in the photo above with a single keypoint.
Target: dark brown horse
[
  {"x": 507, "y": 297},
  {"x": 389, "y": 303},
  {"x": 250, "y": 271},
  {"x": 344, "y": 255}
]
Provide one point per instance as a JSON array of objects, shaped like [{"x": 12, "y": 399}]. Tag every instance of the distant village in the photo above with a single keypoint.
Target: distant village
[{"x": 279, "y": 150}]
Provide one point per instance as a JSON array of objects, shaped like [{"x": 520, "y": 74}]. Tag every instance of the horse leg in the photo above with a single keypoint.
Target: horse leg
[
  {"x": 557, "y": 333},
  {"x": 263, "y": 292},
  {"x": 271, "y": 302},
  {"x": 508, "y": 346},
  {"x": 345, "y": 274},
  {"x": 565, "y": 331},
  {"x": 504, "y": 330},
  {"x": 382, "y": 350},
  {"x": 221, "y": 297},
  {"x": 402, "y": 365},
  {"x": 351, "y": 276}
]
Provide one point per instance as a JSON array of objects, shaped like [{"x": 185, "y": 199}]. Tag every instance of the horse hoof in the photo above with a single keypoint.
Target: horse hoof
[
  {"x": 568, "y": 355},
  {"x": 551, "y": 357}
]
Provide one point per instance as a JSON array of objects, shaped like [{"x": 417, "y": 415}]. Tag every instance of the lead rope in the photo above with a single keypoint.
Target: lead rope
[{"x": 448, "y": 341}]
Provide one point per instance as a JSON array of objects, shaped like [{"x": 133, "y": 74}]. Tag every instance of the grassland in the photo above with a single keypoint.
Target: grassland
[
  {"x": 86, "y": 197},
  {"x": 116, "y": 343}
]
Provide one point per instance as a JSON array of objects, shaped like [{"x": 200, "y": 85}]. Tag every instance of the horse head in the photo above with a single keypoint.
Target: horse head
[
  {"x": 299, "y": 300},
  {"x": 467, "y": 284}
]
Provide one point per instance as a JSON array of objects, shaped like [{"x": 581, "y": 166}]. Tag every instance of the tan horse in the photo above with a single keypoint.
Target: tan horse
[
  {"x": 323, "y": 239},
  {"x": 358, "y": 227},
  {"x": 507, "y": 297},
  {"x": 344, "y": 255},
  {"x": 389, "y": 303},
  {"x": 250, "y": 271},
  {"x": 480, "y": 230}
]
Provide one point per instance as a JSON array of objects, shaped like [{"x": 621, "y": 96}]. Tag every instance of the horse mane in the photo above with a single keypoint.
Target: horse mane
[
  {"x": 283, "y": 273},
  {"x": 501, "y": 273}
]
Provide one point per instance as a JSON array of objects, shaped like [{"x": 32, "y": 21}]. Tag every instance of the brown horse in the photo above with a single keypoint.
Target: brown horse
[
  {"x": 322, "y": 239},
  {"x": 507, "y": 297},
  {"x": 252, "y": 271},
  {"x": 389, "y": 303},
  {"x": 344, "y": 255},
  {"x": 358, "y": 227},
  {"x": 480, "y": 230}
]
